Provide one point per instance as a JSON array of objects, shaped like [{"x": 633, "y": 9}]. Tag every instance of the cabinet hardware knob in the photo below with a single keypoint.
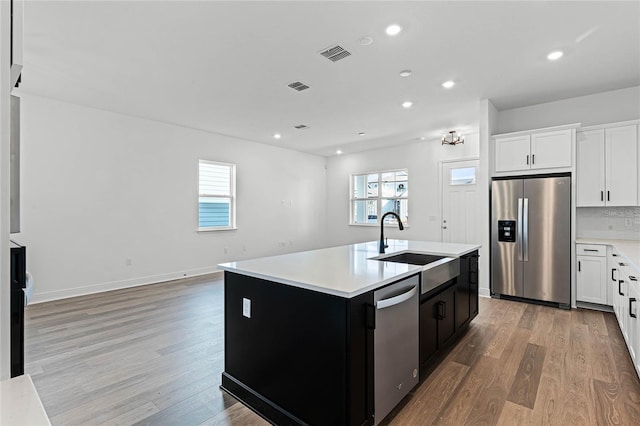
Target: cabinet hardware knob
[
  {"x": 527, "y": 160},
  {"x": 631, "y": 314},
  {"x": 620, "y": 288}
]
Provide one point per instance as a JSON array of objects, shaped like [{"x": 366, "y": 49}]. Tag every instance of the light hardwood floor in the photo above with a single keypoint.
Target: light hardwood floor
[{"x": 154, "y": 355}]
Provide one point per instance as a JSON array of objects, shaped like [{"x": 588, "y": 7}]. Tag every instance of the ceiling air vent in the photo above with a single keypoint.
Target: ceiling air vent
[
  {"x": 301, "y": 126},
  {"x": 335, "y": 53},
  {"x": 298, "y": 86}
]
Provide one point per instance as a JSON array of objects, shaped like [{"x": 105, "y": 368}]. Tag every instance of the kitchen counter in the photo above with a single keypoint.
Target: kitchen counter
[
  {"x": 627, "y": 248},
  {"x": 345, "y": 271},
  {"x": 300, "y": 328},
  {"x": 20, "y": 404}
]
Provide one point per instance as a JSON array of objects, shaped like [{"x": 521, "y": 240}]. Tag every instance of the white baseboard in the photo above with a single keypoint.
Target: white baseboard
[
  {"x": 484, "y": 292},
  {"x": 116, "y": 285}
]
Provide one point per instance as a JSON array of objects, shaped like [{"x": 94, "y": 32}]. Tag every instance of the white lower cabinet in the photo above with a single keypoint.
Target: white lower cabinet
[
  {"x": 634, "y": 324},
  {"x": 626, "y": 297},
  {"x": 591, "y": 284}
]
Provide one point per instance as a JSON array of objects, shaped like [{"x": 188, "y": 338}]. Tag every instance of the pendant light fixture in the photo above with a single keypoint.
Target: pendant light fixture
[{"x": 452, "y": 139}]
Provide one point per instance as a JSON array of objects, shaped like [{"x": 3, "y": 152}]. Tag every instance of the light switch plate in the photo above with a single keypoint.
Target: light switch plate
[{"x": 246, "y": 307}]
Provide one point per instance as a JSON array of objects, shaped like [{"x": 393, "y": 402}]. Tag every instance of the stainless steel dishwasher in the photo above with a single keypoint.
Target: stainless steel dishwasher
[{"x": 396, "y": 347}]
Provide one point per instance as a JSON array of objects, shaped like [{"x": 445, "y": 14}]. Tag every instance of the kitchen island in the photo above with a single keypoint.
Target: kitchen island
[{"x": 299, "y": 328}]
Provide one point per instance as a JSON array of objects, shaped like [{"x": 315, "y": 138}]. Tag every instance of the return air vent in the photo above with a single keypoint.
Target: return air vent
[
  {"x": 301, "y": 126},
  {"x": 335, "y": 53},
  {"x": 298, "y": 86}
]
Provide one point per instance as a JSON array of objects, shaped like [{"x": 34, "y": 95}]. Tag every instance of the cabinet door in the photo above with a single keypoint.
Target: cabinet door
[
  {"x": 612, "y": 275},
  {"x": 551, "y": 149},
  {"x": 621, "y": 156},
  {"x": 447, "y": 316},
  {"x": 623, "y": 306},
  {"x": 634, "y": 324},
  {"x": 463, "y": 293},
  {"x": 428, "y": 329},
  {"x": 590, "y": 169},
  {"x": 473, "y": 284},
  {"x": 513, "y": 153},
  {"x": 591, "y": 282}
]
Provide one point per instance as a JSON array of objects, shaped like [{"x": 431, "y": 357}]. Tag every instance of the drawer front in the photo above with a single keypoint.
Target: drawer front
[
  {"x": 591, "y": 250},
  {"x": 626, "y": 270}
]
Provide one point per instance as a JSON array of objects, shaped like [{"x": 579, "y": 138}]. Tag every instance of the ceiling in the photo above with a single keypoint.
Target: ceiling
[{"x": 225, "y": 67}]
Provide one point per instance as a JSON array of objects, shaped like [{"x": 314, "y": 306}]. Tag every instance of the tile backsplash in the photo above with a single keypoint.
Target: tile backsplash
[{"x": 622, "y": 223}]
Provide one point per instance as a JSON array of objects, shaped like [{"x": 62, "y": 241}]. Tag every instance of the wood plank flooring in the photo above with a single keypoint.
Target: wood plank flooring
[{"x": 154, "y": 355}]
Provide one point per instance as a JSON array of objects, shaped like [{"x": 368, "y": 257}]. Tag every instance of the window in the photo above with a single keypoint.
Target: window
[
  {"x": 375, "y": 193},
  {"x": 216, "y": 196},
  {"x": 463, "y": 176}
]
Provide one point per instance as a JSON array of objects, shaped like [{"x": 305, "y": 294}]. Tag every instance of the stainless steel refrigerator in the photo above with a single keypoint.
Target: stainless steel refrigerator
[{"x": 531, "y": 238}]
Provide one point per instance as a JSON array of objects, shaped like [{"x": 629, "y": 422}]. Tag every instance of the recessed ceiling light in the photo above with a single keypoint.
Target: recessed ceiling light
[
  {"x": 407, "y": 104},
  {"x": 277, "y": 135},
  {"x": 361, "y": 134},
  {"x": 338, "y": 152},
  {"x": 448, "y": 84},
  {"x": 405, "y": 73},
  {"x": 393, "y": 29},
  {"x": 555, "y": 55},
  {"x": 365, "y": 40},
  {"x": 422, "y": 138}
]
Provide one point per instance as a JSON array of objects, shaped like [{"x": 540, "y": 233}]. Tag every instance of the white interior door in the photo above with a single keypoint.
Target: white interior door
[{"x": 460, "y": 202}]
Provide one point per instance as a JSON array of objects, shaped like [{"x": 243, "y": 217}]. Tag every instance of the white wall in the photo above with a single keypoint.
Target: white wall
[
  {"x": 599, "y": 108},
  {"x": 422, "y": 161},
  {"x": 99, "y": 188},
  {"x": 5, "y": 287},
  {"x": 488, "y": 116}
]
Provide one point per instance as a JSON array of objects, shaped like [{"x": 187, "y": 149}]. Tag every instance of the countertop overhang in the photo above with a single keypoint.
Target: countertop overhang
[{"x": 344, "y": 271}]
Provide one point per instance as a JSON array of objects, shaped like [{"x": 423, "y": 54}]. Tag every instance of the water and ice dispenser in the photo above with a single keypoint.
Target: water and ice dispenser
[{"x": 507, "y": 231}]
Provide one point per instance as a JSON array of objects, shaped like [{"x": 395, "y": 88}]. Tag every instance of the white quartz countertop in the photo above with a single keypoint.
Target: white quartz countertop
[
  {"x": 344, "y": 271},
  {"x": 20, "y": 403},
  {"x": 628, "y": 248}
]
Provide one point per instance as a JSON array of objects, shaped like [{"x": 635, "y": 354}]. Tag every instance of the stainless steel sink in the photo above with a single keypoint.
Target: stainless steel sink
[
  {"x": 443, "y": 269},
  {"x": 412, "y": 258}
]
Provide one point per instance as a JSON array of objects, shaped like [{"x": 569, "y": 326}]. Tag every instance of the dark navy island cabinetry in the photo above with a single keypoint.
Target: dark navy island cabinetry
[
  {"x": 299, "y": 347},
  {"x": 303, "y": 357},
  {"x": 446, "y": 312}
]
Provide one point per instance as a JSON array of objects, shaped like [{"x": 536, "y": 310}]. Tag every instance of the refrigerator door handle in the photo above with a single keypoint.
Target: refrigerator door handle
[
  {"x": 519, "y": 231},
  {"x": 525, "y": 230}
]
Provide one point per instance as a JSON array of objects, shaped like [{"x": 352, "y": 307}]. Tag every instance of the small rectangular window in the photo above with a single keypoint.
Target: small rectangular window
[
  {"x": 463, "y": 176},
  {"x": 375, "y": 193},
  {"x": 216, "y": 195}
]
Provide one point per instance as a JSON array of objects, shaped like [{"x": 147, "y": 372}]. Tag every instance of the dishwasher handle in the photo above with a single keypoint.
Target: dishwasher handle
[{"x": 396, "y": 300}]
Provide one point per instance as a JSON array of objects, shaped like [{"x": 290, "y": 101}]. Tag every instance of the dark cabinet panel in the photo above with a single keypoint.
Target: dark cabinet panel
[
  {"x": 447, "y": 315},
  {"x": 473, "y": 284},
  {"x": 428, "y": 329},
  {"x": 437, "y": 321},
  {"x": 290, "y": 353}
]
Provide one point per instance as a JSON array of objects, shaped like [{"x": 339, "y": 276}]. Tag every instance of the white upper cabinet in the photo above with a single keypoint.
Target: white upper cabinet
[
  {"x": 551, "y": 149},
  {"x": 534, "y": 150},
  {"x": 607, "y": 167},
  {"x": 513, "y": 153},
  {"x": 590, "y": 168},
  {"x": 621, "y": 172}
]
